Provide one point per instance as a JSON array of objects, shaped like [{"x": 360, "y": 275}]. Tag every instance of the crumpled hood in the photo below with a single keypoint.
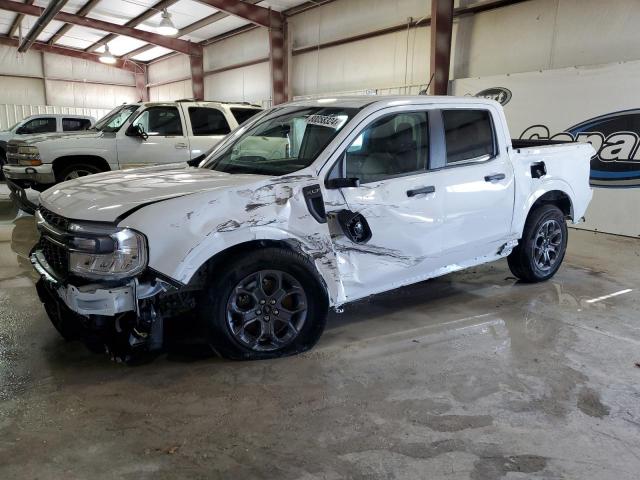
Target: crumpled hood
[
  {"x": 36, "y": 138},
  {"x": 106, "y": 196}
]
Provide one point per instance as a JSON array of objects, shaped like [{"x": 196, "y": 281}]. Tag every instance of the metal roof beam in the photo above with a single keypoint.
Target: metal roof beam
[
  {"x": 70, "y": 52},
  {"x": 41, "y": 23},
  {"x": 18, "y": 20},
  {"x": 86, "y": 8},
  {"x": 134, "y": 22},
  {"x": 263, "y": 17},
  {"x": 160, "y": 40}
]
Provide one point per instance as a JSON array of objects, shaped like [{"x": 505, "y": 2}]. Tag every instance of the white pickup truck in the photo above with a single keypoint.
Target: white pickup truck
[
  {"x": 131, "y": 135},
  {"x": 39, "y": 124},
  {"x": 310, "y": 205}
]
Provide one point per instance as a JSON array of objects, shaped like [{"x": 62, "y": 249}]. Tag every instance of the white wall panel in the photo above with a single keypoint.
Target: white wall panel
[
  {"x": 592, "y": 32},
  {"x": 171, "y": 91},
  {"x": 76, "y": 94},
  {"x": 378, "y": 62},
  {"x": 248, "y": 84},
  {"x": 69, "y": 68},
  {"x": 173, "y": 68},
  {"x": 512, "y": 39},
  {"x": 346, "y": 18},
  {"x": 22, "y": 90},
  {"x": 14, "y": 63},
  {"x": 252, "y": 45}
]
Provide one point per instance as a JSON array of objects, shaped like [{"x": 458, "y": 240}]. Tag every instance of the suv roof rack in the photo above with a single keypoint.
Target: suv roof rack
[{"x": 219, "y": 101}]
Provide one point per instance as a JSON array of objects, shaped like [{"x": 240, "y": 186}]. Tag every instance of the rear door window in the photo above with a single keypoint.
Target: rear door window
[
  {"x": 208, "y": 121},
  {"x": 75, "y": 124},
  {"x": 468, "y": 135},
  {"x": 243, "y": 114},
  {"x": 39, "y": 125}
]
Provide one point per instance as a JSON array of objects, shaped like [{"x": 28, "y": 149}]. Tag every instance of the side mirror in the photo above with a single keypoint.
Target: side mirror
[
  {"x": 21, "y": 131},
  {"x": 334, "y": 183},
  {"x": 137, "y": 131},
  {"x": 194, "y": 162}
]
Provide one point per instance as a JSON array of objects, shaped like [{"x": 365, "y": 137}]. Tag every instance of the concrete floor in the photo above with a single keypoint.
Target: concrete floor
[{"x": 468, "y": 376}]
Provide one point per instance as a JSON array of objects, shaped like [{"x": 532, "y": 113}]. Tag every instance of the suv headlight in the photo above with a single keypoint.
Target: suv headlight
[
  {"x": 118, "y": 255},
  {"x": 28, "y": 156}
]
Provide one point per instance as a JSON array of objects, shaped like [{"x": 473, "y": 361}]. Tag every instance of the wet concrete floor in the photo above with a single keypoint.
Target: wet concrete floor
[{"x": 469, "y": 376}]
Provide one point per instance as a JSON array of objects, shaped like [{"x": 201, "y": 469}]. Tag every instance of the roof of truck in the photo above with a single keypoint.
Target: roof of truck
[{"x": 359, "y": 101}]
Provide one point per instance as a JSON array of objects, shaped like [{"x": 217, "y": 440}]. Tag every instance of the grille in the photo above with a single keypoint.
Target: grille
[
  {"x": 54, "y": 219},
  {"x": 12, "y": 149},
  {"x": 57, "y": 257}
]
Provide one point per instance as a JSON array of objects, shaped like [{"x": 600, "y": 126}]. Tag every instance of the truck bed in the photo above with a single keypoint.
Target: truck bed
[{"x": 517, "y": 143}]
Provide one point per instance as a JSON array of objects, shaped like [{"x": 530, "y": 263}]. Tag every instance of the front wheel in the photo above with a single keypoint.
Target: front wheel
[
  {"x": 542, "y": 247},
  {"x": 3, "y": 161},
  {"x": 266, "y": 304},
  {"x": 76, "y": 170}
]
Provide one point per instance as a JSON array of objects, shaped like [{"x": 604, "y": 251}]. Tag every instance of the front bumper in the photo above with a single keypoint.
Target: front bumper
[
  {"x": 42, "y": 174},
  {"x": 90, "y": 299},
  {"x": 121, "y": 319}
]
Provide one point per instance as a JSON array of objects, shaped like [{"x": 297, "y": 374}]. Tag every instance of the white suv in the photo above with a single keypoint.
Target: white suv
[{"x": 131, "y": 135}]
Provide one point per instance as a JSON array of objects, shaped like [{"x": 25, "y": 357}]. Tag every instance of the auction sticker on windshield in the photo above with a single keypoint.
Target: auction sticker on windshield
[{"x": 326, "y": 121}]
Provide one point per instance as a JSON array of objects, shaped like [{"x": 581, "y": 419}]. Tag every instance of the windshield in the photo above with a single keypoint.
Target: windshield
[
  {"x": 12, "y": 127},
  {"x": 283, "y": 141},
  {"x": 113, "y": 120}
]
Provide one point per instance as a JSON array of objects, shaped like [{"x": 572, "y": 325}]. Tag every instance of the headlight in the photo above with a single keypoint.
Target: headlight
[
  {"x": 28, "y": 156},
  {"x": 121, "y": 254}
]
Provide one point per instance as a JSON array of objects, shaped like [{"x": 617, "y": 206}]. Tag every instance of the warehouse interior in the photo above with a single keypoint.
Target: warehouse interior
[{"x": 470, "y": 375}]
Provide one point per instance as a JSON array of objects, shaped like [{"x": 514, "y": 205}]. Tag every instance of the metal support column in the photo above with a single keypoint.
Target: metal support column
[{"x": 441, "y": 27}]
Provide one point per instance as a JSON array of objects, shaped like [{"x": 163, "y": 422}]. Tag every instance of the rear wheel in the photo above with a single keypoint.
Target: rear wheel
[
  {"x": 542, "y": 247},
  {"x": 265, "y": 304},
  {"x": 3, "y": 161},
  {"x": 76, "y": 170}
]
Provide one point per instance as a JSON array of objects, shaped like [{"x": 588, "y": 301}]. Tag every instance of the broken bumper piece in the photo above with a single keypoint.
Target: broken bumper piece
[{"x": 121, "y": 318}]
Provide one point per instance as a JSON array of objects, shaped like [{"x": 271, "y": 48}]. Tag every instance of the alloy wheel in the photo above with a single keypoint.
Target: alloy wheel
[
  {"x": 266, "y": 310},
  {"x": 547, "y": 245}
]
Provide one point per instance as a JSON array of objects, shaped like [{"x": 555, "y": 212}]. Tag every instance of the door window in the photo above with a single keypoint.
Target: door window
[
  {"x": 160, "y": 121},
  {"x": 243, "y": 114},
  {"x": 208, "y": 121},
  {"x": 392, "y": 146},
  {"x": 75, "y": 124},
  {"x": 39, "y": 125},
  {"x": 468, "y": 135}
]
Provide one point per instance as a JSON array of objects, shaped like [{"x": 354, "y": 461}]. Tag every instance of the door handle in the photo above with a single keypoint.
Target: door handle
[
  {"x": 418, "y": 191},
  {"x": 180, "y": 145},
  {"x": 496, "y": 177}
]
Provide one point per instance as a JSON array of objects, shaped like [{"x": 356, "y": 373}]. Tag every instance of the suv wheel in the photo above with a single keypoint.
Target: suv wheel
[
  {"x": 542, "y": 247},
  {"x": 265, "y": 304},
  {"x": 76, "y": 170},
  {"x": 3, "y": 161}
]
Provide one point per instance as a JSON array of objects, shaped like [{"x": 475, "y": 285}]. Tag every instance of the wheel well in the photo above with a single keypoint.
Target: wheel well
[
  {"x": 62, "y": 162},
  {"x": 557, "y": 198},
  {"x": 220, "y": 259},
  {"x": 224, "y": 256}
]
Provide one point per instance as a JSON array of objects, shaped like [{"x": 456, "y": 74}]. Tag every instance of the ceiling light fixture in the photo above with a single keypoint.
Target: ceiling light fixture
[
  {"x": 107, "y": 57},
  {"x": 166, "y": 26}
]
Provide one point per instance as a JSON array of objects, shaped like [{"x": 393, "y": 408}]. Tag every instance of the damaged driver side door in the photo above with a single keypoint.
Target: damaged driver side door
[{"x": 388, "y": 231}]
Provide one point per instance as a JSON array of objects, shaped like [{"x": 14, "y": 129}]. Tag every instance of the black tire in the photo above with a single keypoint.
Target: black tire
[
  {"x": 545, "y": 228},
  {"x": 64, "y": 322},
  {"x": 76, "y": 170},
  {"x": 3, "y": 161},
  {"x": 238, "y": 275}
]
